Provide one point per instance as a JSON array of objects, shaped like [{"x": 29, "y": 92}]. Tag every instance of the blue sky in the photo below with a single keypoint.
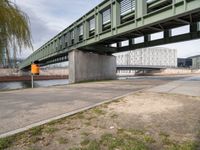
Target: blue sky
[{"x": 49, "y": 17}]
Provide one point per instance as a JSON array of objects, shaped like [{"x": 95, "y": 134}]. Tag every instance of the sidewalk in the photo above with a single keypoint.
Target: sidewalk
[{"x": 187, "y": 86}]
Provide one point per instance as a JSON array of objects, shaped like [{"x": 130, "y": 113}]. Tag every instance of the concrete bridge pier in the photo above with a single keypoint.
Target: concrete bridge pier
[{"x": 88, "y": 66}]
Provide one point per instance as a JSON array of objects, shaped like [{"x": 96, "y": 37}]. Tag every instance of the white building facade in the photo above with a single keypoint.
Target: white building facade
[
  {"x": 195, "y": 62},
  {"x": 148, "y": 57}
]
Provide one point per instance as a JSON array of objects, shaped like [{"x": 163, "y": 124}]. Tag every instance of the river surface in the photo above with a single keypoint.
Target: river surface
[{"x": 27, "y": 84}]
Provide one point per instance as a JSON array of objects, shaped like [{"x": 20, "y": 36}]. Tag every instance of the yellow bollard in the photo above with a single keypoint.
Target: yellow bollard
[{"x": 35, "y": 69}]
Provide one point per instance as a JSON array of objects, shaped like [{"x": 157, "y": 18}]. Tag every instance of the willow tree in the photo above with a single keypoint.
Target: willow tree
[{"x": 14, "y": 29}]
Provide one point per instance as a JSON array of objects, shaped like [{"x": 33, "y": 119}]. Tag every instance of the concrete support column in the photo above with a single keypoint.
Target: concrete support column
[{"x": 86, "y": 66}]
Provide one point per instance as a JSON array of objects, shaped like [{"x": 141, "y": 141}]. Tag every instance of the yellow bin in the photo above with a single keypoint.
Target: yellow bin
[{"x": 35, "y": 69}]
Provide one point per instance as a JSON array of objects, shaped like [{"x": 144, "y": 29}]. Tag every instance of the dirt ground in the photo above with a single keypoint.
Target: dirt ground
[{"x": 142, "y": 121}]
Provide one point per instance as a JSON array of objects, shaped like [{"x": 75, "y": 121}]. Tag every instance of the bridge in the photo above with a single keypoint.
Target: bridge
[
  {"x": 139, "y": 67},
  {"x": 89, "y": 42}
]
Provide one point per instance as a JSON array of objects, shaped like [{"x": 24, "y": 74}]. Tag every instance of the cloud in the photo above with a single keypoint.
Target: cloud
[{"x": 48, "y": 18}]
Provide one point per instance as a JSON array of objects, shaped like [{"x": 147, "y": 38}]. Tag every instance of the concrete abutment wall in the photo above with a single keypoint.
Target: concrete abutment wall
[{"x": 87, "y": 66}]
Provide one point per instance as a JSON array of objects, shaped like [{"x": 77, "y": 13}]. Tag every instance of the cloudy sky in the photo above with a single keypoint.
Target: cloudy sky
[{"x": 49, "y": 17}]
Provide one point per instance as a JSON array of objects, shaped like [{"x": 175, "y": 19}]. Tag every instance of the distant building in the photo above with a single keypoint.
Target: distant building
[
  {"x": 185, "y": 62},
  {"x": 149, "y": 57},
  {"x": 195, "y": 61}
]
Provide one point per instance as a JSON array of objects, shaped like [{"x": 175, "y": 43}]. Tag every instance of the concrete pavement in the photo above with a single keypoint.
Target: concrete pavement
[
  {"x": 187, "y": 86},
  {"x": 22, "y": 109}
]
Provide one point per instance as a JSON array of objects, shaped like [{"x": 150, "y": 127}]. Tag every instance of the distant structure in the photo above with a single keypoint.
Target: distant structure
[
  {"x": 195, "y": 61},
  {"x": 185, "y": 62},
  {"x": 190, "y": 62},
  {"x": 149, "y": 57}
]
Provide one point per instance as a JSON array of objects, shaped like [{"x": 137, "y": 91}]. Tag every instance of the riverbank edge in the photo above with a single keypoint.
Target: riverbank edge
[{"x": 28, "y": 78}]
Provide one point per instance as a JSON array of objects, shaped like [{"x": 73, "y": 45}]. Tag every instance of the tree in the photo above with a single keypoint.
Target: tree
[{"x": 14, "y": 29}]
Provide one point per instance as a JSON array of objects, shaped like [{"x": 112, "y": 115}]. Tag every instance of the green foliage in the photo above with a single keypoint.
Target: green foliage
[
  {"x": 122, "y": 141},
  {"x": 14, "y": 28},
  {"x": 188, "y": 145},
  {"x": 93, "y": 145},
  {"x": 98, "y": 111},
  {"x": 36, "y": 131},
  {"x": 5, "y": 142},
  {"x": 148, "y": 139},
  {"x": 50, "y": 130}
]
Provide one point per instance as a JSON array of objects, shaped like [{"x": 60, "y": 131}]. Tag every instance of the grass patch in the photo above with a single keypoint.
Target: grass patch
[
  {"x": 98, "y": 111},
  {"x": 130, "y": 131},
  {"x": 93, "y": 145},
  {"x": 34, "y": 139},
  {"x": 188, "y": 145},
  {"x": 6, "y": 142},
  {"x": 85, "y": 142},
  {"x": 36, "y": 131},
  {"x": 149, "y": 139},
  {"x": 62, "y": 140},
  {"x": 122, "y": 141},
  {"x": 31, "y": 136},
  {"x": 137, "y": 131},
  {"x": 50, "y": 130},
  {"x": 165, "y": 138}
]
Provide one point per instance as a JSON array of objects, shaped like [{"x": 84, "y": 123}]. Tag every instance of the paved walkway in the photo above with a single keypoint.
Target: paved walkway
[
  {"x": 187, "y": 86},
  {"x": 22, "y": 109}
]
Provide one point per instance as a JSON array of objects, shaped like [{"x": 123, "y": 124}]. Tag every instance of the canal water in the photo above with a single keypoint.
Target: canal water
[{"x": 27, "y": 84}]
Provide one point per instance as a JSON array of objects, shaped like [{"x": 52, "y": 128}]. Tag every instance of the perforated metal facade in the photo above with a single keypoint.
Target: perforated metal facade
[{"x": 149, "y": 57}]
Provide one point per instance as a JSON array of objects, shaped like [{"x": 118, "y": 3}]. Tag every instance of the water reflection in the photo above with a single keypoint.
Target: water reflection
[{"x": 27, "y": 84}]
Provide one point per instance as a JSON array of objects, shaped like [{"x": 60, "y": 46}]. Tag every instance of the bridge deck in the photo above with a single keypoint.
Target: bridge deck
[{"x": 130, "y": 67}]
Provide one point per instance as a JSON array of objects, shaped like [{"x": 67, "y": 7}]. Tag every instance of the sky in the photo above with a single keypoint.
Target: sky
[{"x": 49, "y": 17}]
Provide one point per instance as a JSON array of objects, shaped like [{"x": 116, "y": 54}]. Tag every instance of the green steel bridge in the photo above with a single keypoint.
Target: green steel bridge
[{"x": 103, "y": 29}]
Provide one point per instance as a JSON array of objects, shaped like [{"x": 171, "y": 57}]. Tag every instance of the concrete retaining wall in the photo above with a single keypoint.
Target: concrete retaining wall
[
  {"x": 9, "y": 72},
  {"x": 176, "y": 71},
  {"x": 168, "y": 71},
  {"x": 43, "y": 72},
  {"x": 56, "y": 71}
]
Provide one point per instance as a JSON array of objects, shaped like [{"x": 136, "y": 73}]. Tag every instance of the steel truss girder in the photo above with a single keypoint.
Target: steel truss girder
[{"x": 144, "y": 16}]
